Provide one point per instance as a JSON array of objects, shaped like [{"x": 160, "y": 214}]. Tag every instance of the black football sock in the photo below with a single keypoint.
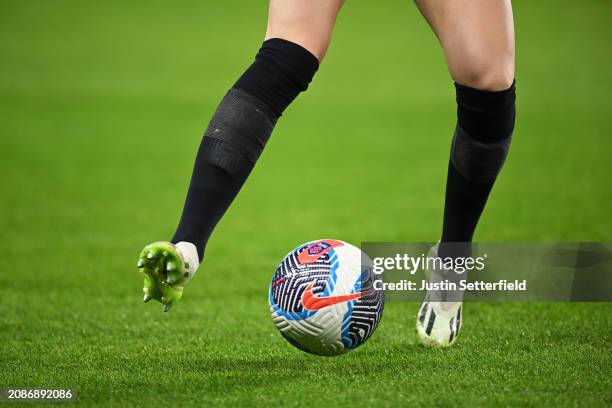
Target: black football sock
[
  {"x": 480, "y": 145},
  {"x": 238, "y": 132}
]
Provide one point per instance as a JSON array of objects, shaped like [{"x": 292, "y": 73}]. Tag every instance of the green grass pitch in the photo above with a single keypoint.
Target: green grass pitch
[{"x": 103, "y": 105}]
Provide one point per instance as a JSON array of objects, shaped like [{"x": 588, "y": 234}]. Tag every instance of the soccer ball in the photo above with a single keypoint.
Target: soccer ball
[{"x": 322, "y": 297}]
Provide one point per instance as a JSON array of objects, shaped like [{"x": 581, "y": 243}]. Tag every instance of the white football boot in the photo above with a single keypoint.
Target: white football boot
[{"x": 438, "y": 323}]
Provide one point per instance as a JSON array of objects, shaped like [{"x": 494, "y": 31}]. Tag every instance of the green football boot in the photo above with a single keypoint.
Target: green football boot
[{"x": 167, "y": 268}]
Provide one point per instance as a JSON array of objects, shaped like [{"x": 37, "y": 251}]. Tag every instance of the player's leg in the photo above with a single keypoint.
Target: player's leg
[
  {"x": 296, "y": 40},
  {"x": 477, "y": 37}
]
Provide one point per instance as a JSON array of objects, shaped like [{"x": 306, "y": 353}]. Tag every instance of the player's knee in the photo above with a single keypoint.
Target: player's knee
[
  {"x": 484, "y": 72},
  {"x": 308, "y": 23},
  {"x": 490, "y": 77}
]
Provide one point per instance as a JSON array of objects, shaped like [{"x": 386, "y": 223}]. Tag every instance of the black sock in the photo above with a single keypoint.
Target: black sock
[
  {"x": 485, "y": 120},
  {"x": 238, "y": 133}
]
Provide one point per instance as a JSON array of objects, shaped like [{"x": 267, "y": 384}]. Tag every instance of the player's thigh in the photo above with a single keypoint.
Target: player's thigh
[
  {"x": 477, "y": 37},
  {"x": 308, "y": 23}
]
